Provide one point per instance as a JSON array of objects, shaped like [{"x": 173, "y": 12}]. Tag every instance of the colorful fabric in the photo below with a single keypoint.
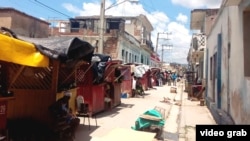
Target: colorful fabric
[{"x": 21, "y": 52}]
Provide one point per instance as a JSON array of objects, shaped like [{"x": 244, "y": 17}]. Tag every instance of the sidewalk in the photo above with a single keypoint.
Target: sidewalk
[{"x": 191, "y": 114}]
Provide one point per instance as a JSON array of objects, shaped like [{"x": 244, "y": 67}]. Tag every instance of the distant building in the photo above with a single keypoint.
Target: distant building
[
  {"x": 125, "y": 38},
  {"x": 23, "y": 24}
]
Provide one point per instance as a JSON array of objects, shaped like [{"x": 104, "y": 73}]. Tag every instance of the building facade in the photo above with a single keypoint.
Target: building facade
[
  {"x": 227, "y": 47},
  {"x": 23, "y": 24},
  {"x": 125, "y": 38}
]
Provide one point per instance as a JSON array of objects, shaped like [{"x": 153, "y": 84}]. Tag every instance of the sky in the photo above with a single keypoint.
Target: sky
[{"x": 169, "y": 18}]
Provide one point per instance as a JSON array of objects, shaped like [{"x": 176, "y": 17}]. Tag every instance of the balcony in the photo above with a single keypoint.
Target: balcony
[{"x": 147, "y": 44}]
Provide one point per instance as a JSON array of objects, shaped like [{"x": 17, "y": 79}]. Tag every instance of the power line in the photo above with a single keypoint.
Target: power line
[{"x": 52, "y": 9}]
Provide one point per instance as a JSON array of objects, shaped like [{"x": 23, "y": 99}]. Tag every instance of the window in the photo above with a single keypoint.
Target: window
[
  {"x": 126, "y": 57},
  {"x": 142, "y": 59},
  {"x": 130, "y": 57},
  {"x": 128, "y": 22},
  {"x": 112, "y": 24},
  {"x": 75, "y": 26},
  {"x": 123, "y": 55}
]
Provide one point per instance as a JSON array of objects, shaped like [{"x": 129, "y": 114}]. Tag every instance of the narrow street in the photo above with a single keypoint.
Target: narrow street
[{"x": 179, "y": 124}]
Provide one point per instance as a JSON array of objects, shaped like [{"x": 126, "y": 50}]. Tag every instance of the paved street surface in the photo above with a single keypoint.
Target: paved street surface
[{"x": 181, "y": 115}]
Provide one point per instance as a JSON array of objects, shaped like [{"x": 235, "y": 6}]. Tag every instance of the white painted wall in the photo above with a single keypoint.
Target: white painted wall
[{"x": 229, "y": 24}]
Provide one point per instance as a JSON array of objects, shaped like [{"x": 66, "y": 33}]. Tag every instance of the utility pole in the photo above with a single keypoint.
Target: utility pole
[
  {"x": 101, "y": 35},
  {"x": 157, "y": 42},
  {"x": 102, "y": 21},
  {"x": 169, "y": 47}
]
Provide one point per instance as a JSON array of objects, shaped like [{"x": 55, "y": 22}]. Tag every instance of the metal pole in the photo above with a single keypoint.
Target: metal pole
[
  {"x": 102, "y": 18},
  {"x": 162, "y": 56},
  {"x": 156, "y": 48}
]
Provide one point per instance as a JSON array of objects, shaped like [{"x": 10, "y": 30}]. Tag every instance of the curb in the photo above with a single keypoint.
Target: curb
[
  {"x": 181, "y": 130},
  {"x": 176, "y": 108}
]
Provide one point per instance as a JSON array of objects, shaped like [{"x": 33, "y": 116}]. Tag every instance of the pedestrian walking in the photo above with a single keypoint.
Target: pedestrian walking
[
  {"x": 159, "y": 77},
  {"x": 174, "y": 78}
]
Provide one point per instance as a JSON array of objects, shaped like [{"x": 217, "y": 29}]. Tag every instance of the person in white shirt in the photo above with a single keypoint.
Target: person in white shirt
[{"x": 133, "y": 84}]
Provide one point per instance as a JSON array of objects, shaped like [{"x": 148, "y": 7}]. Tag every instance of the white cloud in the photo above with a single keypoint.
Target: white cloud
[
  {"x": 180, "y": 38},
  {"x": 71, "y": 8},
  {"x": 182, "y": 18},
  {"x": 176, "y": 48},
  {"x": 198, "y": 3},
  {"x": 126, "y": 9},
  {"x": 90, "y": 9}
]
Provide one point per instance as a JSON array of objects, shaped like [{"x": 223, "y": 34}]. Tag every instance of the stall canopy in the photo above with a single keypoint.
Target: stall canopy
[
  {"x": 67, "y": 50},
  {"x": 36, "y": 52},
  {"x": 21, "y": 52}
]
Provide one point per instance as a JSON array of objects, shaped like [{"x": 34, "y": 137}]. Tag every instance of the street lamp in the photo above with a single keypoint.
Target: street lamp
[{"x": 102, "y": 19}]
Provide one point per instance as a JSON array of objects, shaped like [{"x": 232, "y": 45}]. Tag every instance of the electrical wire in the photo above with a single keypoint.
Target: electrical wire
[{"x": 52, "y": 9}]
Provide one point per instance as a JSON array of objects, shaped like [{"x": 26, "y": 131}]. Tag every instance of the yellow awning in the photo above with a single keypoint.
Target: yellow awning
[{"x": 21, "y": 52}]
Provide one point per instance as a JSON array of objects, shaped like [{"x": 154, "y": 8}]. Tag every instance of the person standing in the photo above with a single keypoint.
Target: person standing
[
  {"x": 139, "y": 87},
  {"x": 174, "y": 77},
  {"x": 133, "y": 84},
  {"x": 159, "y": 78}
]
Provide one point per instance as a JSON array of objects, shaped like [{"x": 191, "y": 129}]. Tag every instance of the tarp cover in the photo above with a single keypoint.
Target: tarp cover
[
  {"x": 21, "y": 52},
  {"x": 37, "y": 51},
  {"x": 140, "y": 70},
  {"x": 145, "y": 123},
  {"x": 99, "y": 67},
  {"x": 65, "y": 49}
]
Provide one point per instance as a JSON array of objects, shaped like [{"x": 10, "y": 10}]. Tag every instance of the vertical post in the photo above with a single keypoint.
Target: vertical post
[
  {"x": 162, "y": 56},
  {"x": 102, "y": 17},
  {"x": 156, "y": 48}
]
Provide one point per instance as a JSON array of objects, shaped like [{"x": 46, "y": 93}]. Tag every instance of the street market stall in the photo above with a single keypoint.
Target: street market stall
[
  {"x": 154, "y": 72},
  {"x": 140, "y": 71},
  {"x": 114, "y": 76},
  {"x": 126, "y": 86},
  {"x": 34, "y": 71},
  {"x": 90, "y": 82}
]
